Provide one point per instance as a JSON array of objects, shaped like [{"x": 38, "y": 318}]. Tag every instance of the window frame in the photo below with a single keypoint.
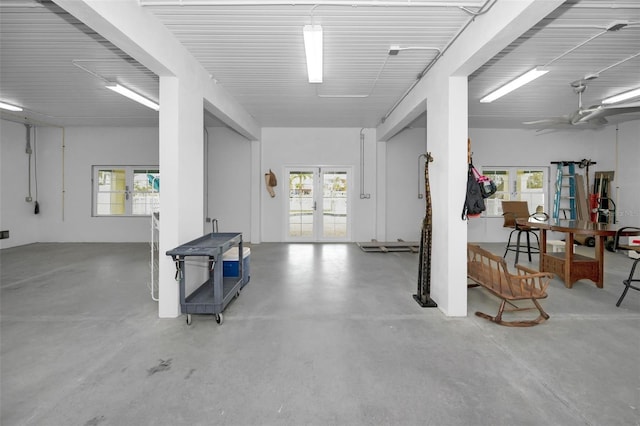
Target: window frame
[
  {"x": 129, "y": 192},
  {"x": 511, "y": 191}
]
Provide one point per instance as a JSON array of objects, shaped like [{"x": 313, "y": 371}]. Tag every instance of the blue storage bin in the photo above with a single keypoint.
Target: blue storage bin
[{"x": 230, "y": 267}]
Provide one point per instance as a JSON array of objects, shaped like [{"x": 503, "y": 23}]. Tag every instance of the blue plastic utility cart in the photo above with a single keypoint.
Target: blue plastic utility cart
[{"x": 213, "y": 295}]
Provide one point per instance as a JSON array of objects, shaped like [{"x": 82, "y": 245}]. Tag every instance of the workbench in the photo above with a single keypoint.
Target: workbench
[
  {"x": 569, "y": 266},
  {"x": 212, "y": 296}
]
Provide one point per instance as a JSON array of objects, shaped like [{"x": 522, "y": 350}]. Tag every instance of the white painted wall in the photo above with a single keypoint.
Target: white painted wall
[
  {"x": 230, "y": 173},
  {"x": 16, "y": 215},
  {"x": 405, "y": 179},
  {"x": 70, "y": 221},
  {"x": 282, "y": 147},
  {"x": 627, "y": 180},
  {"x": 511, "y": 147},
  {"x": 229, "y": 181},
  {"x": 85, "y": 147}
]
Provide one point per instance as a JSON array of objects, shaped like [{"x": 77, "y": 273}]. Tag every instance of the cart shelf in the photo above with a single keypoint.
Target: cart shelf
[
  {"x": 202, "y": 300},
  {"x": 217, "y": 291}
]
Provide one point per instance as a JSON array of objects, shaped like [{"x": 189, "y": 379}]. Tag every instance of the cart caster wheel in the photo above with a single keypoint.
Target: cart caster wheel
[
  {"x": 219, "y": 318},
  {"x": 188, "y": 319}
]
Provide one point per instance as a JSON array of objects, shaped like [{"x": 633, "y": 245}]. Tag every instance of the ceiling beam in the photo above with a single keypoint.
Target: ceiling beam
[
  {"x": 485, "y": 37},
  {"x": 143, "y": 37}
]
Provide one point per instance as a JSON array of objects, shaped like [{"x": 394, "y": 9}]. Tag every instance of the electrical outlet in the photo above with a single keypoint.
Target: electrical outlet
[
  {"x": 28, "y": 199},
  {"x": 4, "y": 235}
]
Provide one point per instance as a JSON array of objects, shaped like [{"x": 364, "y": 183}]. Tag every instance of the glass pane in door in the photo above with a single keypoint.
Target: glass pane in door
[
  {"x": 334, "y": 204},
  {"x": 530, "y": 186},
  {"x": 301, "y": 203}
]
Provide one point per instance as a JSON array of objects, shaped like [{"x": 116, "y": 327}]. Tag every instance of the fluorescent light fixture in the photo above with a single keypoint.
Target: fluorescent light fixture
[
  {"x": 622, "y": 96},
  {"x": 9, "y": 107},
  {"x": 313, "y": 48},
  {"x": 513, "y": 85},
  {"x": 132, "y": 95}
]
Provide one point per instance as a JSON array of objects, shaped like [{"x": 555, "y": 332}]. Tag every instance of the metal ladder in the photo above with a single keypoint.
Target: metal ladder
[{"x": 565, "y": 179}]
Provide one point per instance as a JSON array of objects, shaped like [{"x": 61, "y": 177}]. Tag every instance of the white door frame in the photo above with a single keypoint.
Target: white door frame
[{"x": 318, "y": 198}]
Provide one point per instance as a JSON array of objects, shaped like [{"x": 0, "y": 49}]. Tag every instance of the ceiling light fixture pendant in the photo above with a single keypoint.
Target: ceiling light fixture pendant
[
  {"x": 313, "y": 49},
  {"x": 525, "y": 78},
  {"x": 132, "y": 95}
]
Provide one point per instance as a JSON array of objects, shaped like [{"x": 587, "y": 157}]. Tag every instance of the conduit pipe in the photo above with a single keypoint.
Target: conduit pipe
[
  {"x": 426, "y": 157},
  {"x": 76, "y": 62},
  {"x": 352, "y": 3},
  {"x": 363, "y": 195},
  {"x": 420, "y": 195},
  {"x": 24, "y": 120},
  {"x": 610, "y": 28},
  {"x": 574, "y": 48},
  {"x": 481, "y": 11},
  {"x": 605, "y": 5},
  {"x": 375, "y": 82},
  {"x": 615, "y": 219},
  {"x": 29, "y": 151},
  {"x": 36, "y": 205},
  {"x": 206, "y": 177},
  {"x": 63, "y": 185},
  {"x": 20, "y": 4},
  {"x": 618, "y": 63}
]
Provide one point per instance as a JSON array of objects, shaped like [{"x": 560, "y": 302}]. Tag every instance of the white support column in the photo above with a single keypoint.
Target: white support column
[
  {"x": 182, "y": 180},
  {"x": 141, "y": 35},
  {"x": 184, "y": 87},
  {"x": 482, "y": 40},
  {"x": 447, "y": 142},
  {"x": 445, "y": 89}
]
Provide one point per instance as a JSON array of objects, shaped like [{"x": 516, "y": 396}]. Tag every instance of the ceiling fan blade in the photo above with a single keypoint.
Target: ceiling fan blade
[
  {"x": 590, "y": 109},
  {"x": 554, "y": 120},
  {"x": 550, "y": 124},
  {"x": 605, "y": 111}
]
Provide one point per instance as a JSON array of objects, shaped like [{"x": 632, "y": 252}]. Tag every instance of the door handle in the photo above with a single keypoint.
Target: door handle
[
  {"x": 126, "y": 192},
  {"x": 314, "y": 206}
]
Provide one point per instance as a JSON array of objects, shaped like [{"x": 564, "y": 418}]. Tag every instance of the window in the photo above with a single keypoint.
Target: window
[
  {"x": 125, "y": 190},
  {"x": 517, "y": 184}
]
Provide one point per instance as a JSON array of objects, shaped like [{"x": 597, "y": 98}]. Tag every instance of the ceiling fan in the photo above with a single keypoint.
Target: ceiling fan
[{"x": 591, "y": 117}]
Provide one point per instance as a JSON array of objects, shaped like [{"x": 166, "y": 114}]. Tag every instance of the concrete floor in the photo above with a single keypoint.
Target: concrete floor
[{"x": 322, "y": 335}]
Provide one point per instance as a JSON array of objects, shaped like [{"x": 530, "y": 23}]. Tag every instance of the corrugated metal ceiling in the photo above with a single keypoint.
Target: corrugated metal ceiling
[
  {"x": 257, "y": 53},
  {"x": 38, "y": 49},
  {"x": 56, "y": 67},
  {"x": 572, "y": 43}
]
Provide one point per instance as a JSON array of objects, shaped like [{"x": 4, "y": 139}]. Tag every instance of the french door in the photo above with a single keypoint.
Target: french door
[{"x": 318, "y": 204}]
